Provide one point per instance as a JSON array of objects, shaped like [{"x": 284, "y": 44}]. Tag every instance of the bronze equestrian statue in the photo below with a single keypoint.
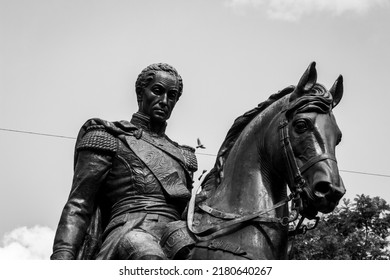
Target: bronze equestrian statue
[
  {"x": 137, "y": 207},
  {"x": 130, "y": 179}
]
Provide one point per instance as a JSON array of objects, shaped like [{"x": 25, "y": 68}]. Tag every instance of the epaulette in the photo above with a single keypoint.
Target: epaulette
[
  {"x": 190, "y": 157},
  {"x": 97, "y": 138}
]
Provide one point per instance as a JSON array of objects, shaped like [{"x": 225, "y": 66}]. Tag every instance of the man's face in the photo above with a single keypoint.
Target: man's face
[{"x": 159, "y": 97}]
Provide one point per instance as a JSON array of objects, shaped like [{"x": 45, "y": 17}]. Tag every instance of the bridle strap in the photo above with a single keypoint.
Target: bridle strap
[
  {"x": 219, "y": 229},
  {"x": 315, "y": 160},
  {"x": 213, "y": 231},
  {"x": 296, "y": 179}
]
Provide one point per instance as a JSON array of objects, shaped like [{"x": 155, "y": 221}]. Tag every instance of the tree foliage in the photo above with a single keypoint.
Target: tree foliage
[{"x": 358, "y": 230}]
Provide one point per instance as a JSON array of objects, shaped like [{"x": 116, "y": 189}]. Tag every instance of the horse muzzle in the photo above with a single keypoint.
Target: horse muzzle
[{"x": 324, "y": 195}]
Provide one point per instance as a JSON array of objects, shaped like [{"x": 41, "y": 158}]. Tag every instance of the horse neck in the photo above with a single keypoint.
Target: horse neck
[{"x": 248, "y": 184}]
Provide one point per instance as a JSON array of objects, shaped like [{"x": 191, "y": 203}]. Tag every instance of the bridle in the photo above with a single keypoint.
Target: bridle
[{"x": 297, "y": 184}]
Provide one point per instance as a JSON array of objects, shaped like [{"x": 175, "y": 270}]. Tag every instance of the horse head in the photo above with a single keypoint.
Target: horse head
[
  {"x": 289, "y": 139},
  {"x": 308, "y": 135}
]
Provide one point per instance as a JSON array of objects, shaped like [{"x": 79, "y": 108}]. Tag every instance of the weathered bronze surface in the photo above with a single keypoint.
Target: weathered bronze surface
[
  {"x": 289, "y": 139},
  {"x": 130, "y": 179},
  {"x": 131, "y": 191}
]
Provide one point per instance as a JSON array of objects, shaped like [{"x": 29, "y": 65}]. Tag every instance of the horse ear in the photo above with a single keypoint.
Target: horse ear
[
  {"x": 306, "y": 83},
  {"x": 337, "y": 90}
]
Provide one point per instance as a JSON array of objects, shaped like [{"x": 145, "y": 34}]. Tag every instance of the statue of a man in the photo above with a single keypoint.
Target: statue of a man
[{"x": 130, "y": 180}]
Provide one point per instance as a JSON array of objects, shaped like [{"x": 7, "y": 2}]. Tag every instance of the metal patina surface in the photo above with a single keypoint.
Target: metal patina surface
[
  {"x": 130, "y": 180},
  {"x": 130, "y": 197},
  {"x": 288, "y": 140}
]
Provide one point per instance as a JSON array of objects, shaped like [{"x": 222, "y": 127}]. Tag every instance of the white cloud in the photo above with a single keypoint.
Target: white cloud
[
  {"x": 27, "y": 243},
  {"x": 292, "y": 10}
]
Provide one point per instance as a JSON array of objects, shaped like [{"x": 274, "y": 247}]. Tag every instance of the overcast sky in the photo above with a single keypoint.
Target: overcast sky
[{"x": 64, "y": 61}]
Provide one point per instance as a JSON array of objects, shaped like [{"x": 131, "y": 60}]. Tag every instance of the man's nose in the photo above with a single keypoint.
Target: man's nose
[{"x": 164, "y": 98}]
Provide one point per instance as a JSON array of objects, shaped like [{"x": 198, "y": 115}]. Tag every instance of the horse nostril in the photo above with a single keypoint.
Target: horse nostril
[{"x": 321, "y": 189}]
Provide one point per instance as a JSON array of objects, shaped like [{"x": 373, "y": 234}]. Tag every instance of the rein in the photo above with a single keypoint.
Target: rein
[{"x": 297, "y": 185}]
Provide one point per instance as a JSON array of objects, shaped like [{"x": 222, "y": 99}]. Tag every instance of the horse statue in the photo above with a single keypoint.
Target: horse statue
[{"x": 242, "y": 211}]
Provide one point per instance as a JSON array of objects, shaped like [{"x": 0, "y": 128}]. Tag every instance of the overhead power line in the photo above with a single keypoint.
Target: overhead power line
[
  {"x": 202, "y": 154},
  {"x": 37, "y": 133},
  {"x": 366, "y": 173}
]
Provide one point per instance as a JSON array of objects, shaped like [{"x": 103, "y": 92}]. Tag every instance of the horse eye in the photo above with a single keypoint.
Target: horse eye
[{"x": 300, "y": 126}]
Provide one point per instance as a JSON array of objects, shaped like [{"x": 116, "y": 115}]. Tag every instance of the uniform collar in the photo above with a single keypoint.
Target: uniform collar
[{"x": 143, "y": 121}]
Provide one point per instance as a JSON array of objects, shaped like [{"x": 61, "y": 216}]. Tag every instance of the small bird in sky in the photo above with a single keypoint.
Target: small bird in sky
[{"x": 200, "y": 145}]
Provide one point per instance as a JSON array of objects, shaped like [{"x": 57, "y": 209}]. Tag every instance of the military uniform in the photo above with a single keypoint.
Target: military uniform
[{"x": 138, "y": 181}]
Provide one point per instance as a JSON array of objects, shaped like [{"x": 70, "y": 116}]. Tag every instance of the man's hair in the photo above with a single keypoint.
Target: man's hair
[{"x": 147, "y": 75}]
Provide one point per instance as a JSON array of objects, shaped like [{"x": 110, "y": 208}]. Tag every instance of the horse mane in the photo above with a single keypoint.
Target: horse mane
[{"x": 232, "y": 135}]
